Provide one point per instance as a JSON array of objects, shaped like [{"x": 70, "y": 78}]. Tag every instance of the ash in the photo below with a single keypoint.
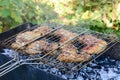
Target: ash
[
  {"x": 99, "y": 69},
  {"x": 8, "y": 52}
]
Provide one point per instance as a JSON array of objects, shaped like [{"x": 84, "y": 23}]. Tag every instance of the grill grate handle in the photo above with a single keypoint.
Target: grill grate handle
[{"x": 6, "y": 68}]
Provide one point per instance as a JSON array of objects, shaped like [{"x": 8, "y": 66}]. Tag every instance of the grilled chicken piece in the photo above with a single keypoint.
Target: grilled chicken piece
[
  {"x": 70, "y": 48},
  {"x": 41, "y": 45},
  {"x": 42, "y": 30},
  {"x": 88, "y": 39},
  {"x": 94, "y": 45},
  {"x": 23, "y": 38},
  {"x": 69, "y": 57},
  {"x": 95, "y": 48},
  {"x": 36, "y": 47},
  {"x": 65, "y": 35}
]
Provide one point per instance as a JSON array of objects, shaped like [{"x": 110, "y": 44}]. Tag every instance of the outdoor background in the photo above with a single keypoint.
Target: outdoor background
[{"x": 99, "y": 15}]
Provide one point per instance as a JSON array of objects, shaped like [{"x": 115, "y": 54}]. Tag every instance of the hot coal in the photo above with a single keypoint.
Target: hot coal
[{"x": 103, "y": 68}]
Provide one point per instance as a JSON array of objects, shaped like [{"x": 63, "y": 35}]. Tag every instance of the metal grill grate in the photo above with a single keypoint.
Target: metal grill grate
[{"x": 21, "y": 58}]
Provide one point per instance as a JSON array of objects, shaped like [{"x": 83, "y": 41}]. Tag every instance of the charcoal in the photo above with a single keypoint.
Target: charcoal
[
  {"x": 80, "y": 78},
  {"x": 104, "y": 69},
  {"x": 64, "y": 77},
  {"x": 54, "y": 70},
  {"x": 70, "y": 76}
]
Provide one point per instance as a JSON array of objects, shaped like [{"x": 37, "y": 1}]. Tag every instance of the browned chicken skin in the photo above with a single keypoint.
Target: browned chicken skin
[
  {"x": 70, "y": 48},
  {"x": 69, "y": 57},
  {"x": 88, "y": 39},
  {"x": 24, "y": 38},
  {"x": 42, "y": 30},
  {"x": 65, "y": 35},
  {"x": 41, "y": 45},
  {"x": 94, "y": 45},
  {"x": 70, "y": 54}
]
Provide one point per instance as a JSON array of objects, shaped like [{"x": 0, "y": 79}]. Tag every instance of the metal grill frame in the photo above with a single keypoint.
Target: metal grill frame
[{"x": 16, "y": 62}]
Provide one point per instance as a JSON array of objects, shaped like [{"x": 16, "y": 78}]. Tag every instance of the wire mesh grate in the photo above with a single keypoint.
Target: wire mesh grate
[{"x": 46, "y": 59}]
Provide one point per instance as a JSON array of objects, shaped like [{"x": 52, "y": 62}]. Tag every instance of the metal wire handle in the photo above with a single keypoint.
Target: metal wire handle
[
  {"x": 6, "y": 65},
  {"x": 9, "y": 63},
  {"x": 11, "y": 67}
]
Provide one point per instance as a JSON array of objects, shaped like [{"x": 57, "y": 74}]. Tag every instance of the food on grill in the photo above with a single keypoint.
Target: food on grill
[
  {"x": 41, "y": 45},
  {"x": 94, "y": 45},
  {"x": 35, "y": 47},
  {"x": 88, "y": 39},
  {"x": 70, "y": 48},
  {"x": 70, "y": 54},
  {"x": 69, "y": 51},
  {"x": 95, "y": 48},
  {"x": 69, "y": 57},
  {"x": 65, "y": 35},
  {"x": 23, "y": 38},
  {"x": 50, "y": 47},
  {"x": 42, "y": 30}
]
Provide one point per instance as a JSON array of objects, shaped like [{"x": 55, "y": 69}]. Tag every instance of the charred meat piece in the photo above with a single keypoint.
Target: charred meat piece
[
  {"x": 88, "y": 39},
  {"x": 93, "y": 44},
  {"x": 68, "y": 57},
  {"x": 41, "y": 45},
  {"x": 42, "y": 30},
  {"x": 23, "y": 38},
  {"x": 36, "y": 47},
  {"x": 95, "y": 48},
  {"x": 65, "y": 35},
  {"x": 70, "y": 48}
]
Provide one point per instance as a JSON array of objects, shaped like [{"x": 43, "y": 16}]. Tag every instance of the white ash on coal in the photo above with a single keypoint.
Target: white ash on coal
[{"x": 8, "y": 52}]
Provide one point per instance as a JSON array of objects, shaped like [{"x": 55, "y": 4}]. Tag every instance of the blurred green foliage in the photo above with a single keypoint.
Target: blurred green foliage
[
  {"x": 14, "y": 12},
  {"x": 99, "y": 15}
]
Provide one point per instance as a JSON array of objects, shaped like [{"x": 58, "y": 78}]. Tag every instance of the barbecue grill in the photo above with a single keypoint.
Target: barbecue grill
[{"x": 41, "y": 60}]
